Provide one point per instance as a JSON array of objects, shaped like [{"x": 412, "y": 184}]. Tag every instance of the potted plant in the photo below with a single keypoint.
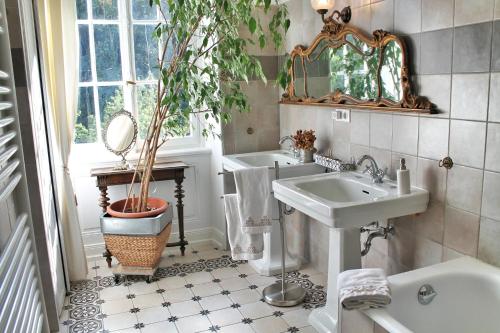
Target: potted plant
[
  {"x": 203, "y": 56},
  {"x": 304, "y": 142}
]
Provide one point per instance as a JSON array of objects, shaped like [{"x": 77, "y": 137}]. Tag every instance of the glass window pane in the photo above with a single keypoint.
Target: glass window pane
[
  {"x": 146, "y": 52},
  {"x": 81, "y": 9},
  {"x": 107, "y": 52},
  {"x": 85, "y": 128},
  {"x": 177, "y": 126},
  {"x": 110, "y": 101},
  {"x": 85, "y": 69},
  {"x": 105, "y": 9},
  {"x": 142, "y": 11},
  {"x": 146, "y": 102}
]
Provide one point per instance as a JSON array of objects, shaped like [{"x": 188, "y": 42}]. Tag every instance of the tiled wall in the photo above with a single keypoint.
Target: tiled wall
[
  {"x": 455, "y": 50},
  {"x": 263, "y": 118}
]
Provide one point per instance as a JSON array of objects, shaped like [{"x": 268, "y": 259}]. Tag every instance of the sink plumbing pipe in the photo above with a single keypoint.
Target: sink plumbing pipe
[{"x": 374, "y": 230}]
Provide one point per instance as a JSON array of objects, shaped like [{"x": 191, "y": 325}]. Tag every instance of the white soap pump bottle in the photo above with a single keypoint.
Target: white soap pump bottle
[{"x": 403, "y": 177}]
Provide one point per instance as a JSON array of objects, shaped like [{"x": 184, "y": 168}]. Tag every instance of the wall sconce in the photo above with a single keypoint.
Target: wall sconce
[{"x": 323, "y": 6}]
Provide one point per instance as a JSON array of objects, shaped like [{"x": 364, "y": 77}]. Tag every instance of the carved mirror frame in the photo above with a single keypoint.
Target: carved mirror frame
[{"x": 336, "y": 34}]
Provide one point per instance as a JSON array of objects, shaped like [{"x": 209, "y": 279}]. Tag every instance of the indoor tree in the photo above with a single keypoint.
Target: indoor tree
[{"x": 202, "y": 59}]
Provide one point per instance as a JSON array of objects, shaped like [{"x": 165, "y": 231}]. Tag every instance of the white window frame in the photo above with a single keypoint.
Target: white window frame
[{"x": 129, "y": 84}]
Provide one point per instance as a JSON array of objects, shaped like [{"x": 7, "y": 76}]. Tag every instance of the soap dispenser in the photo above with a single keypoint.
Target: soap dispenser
[{"x": 403, "y": 176}]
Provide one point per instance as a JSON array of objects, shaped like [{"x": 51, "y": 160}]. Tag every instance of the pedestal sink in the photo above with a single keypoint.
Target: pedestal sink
[
  {"x": 290, "y": 166},
  {"x": 344, "y": 202}
]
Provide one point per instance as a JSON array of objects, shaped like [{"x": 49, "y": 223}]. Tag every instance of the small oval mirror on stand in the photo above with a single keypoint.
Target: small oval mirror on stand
[{"x": 120, "y": 135}]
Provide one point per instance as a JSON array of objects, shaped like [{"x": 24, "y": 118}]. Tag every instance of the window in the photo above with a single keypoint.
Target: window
[{"x": 116, "y": 48}]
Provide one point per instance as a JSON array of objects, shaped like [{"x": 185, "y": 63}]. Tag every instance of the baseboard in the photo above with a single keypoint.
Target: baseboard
[{"x": 94, "y": 243}]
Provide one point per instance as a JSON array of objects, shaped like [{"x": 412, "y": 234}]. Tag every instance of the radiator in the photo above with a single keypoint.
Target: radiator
[
  {"x": 20, "y": 305},
  {"x": 21, "y": 308}
]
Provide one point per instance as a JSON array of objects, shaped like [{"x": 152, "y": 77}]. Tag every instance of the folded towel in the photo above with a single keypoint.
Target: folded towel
[
  {"x": 244, "y": 246},
  {"x": 254, "y": 199},
  {"x": 363, "y": 289}
]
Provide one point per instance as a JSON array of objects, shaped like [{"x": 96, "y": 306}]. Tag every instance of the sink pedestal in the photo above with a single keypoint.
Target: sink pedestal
[{"x": 344, "y": 254}]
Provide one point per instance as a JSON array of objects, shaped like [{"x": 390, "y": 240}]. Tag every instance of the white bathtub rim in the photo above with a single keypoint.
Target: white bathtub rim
[{"x": 462, "y": 265}]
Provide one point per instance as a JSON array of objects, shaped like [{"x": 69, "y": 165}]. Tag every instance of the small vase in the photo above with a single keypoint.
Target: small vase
[{"x": 306, "y": 155}]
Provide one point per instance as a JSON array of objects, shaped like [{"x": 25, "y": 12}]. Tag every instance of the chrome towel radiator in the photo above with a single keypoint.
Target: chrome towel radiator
[{"x": 21, "y": 300}]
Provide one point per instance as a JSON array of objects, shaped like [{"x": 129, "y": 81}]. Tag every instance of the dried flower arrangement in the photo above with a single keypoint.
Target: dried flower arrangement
[{"x": 304, "y": 139}]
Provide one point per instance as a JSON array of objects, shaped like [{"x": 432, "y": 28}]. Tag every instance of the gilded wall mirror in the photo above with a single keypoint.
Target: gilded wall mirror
[
  {"x": 119, "y": 136},
  {"x": 345, "y": 68}
]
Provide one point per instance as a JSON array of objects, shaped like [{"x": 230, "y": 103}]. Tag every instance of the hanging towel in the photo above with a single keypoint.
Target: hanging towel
[
  {"x": 363, "y": 289},
  {"x": 244, "y": 246},
  {"x": 254, "y": 199}
]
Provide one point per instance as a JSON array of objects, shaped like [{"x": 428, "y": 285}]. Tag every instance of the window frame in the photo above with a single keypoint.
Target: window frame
[{"x": 129, "y": 83}]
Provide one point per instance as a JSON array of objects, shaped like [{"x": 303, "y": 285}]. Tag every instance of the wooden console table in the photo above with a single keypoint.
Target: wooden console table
[{"x": 161, "y": 171}]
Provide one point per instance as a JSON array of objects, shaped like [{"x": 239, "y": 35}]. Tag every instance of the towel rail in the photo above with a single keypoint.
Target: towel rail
[{"x": 230, "y": 172}]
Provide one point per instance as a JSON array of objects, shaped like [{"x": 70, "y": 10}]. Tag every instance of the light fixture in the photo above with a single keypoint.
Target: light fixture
[{"x": 323, "y": 6}]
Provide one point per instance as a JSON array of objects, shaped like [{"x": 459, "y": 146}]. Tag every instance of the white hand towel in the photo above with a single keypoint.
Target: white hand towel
[
  {"x": 363, "y": 289},
  {"x": 253, "y": 187},
  {"x": 244, "y": 246}
]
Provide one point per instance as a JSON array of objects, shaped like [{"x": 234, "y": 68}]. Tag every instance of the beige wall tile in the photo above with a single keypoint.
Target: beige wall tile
[
  {"x": 437, "y": 14},
  {"x": 382, "y": 15},
  {"x": 430, "y": 224},
  {"x": 433, "y": 138},
  {"x": 405, "y": 134},
  {"x": 489, "y": 246},
  {"x": 469, "y": 12},
  {"x": 461, "y": 231},
  {"x": 464, "y": 188},
  {"x": 432, "y": 178},
  {"x": 493, "y": 148},
  {"x": 427, "y": 252},
  {"x": 360, "y": 128},
  {"x": 494, "y": 106},
  {"x": 438, "y": 89},
  {"x": 491, "y": 195},
  {"x": 380, "y": 130},
  {"x": 469, "y": 96},
  {"x": 407, "y": 16},
  {"x": 450, "y": 254},
  {"x": 467, "y": 139}
]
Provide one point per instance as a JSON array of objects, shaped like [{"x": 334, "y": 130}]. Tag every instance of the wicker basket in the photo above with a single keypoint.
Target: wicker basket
[{"x": 138, "y": 251}]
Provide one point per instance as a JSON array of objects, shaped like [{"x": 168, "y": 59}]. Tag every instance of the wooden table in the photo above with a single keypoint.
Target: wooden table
[{"x": 161, "y": 171}]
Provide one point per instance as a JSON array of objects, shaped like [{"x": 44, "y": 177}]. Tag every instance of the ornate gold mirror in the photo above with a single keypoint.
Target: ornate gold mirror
[{"x": 345, "y": 68}]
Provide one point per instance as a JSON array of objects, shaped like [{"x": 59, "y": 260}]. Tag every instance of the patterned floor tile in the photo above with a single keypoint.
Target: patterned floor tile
[
  {"x": 193, "y": 324},
  {"x": 120, "y": 321},
  {"x": 160, "y": 327},
  {"x": 207, "y": 293},
  {"x": 269, "y": 325},
  {"x": 225, "y": 317},
  {"x": 153, "y": 315}
]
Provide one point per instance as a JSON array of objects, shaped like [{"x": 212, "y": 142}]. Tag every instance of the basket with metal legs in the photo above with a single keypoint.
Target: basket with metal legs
[{"x": 283, "y": 293}]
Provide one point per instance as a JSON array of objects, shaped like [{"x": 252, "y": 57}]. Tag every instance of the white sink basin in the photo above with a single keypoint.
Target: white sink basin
[
  {"x": 258, "y": 159},
  {"x": 348, "y": 199},
  {"x": 289, "y": 165}
]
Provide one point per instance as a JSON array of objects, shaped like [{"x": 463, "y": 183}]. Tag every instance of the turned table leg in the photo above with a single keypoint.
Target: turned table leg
[
  {"x": 104, "y": 203},
  {"x": 179, "y": 194}
]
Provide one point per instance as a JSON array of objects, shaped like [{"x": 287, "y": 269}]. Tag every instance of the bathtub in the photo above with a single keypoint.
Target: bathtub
[{"x": 467, "y": 300}]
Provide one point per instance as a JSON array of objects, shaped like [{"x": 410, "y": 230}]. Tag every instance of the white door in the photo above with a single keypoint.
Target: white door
[{"x": 40, "y": 150}]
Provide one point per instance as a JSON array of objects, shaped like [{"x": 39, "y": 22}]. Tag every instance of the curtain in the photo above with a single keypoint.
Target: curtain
[{"x": 60, "y": 49}]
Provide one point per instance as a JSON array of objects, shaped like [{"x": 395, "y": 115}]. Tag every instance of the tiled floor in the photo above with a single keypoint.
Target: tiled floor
[{"x": 205, "y": 291}]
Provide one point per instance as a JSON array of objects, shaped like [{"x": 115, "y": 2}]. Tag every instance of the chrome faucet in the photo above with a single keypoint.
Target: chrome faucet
[
  {"x": 373, "y": 169},
  {"x": 293, "y": 149}
]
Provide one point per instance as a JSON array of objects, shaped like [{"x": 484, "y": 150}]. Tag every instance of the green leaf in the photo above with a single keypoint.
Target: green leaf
[
  {"x": 252, "y": 25},
  {"x": 262, "y": 41}
]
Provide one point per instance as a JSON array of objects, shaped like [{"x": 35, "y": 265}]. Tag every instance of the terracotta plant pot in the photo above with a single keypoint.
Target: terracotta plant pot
[{"x": 156, "y": 206}]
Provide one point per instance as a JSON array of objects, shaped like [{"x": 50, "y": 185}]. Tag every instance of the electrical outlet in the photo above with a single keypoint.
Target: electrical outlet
[{"x": 341, "y": 115}]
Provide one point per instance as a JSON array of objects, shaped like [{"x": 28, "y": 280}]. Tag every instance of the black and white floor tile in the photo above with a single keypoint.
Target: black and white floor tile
[{"x": 204, "y": 291}]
